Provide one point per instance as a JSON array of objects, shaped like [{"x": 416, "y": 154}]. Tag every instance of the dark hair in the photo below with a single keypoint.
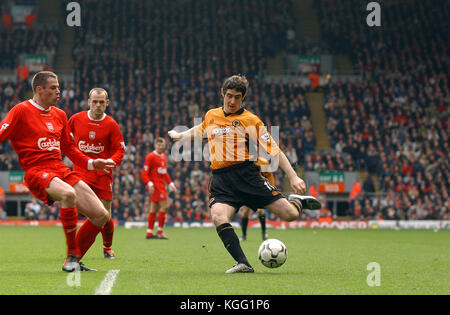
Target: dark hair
[
  {"x": 160, "y": 139},
  {"x": 236, "y": 82},
  {"x": 40, "y": 79}
]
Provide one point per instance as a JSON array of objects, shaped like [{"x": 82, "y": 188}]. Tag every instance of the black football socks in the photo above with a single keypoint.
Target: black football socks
[
  {"x": 244, "y": 226},
  {"x": 262, "y": 220},
  {"x": 297, "y": 205},
  {"x": 231, "y": 242}
]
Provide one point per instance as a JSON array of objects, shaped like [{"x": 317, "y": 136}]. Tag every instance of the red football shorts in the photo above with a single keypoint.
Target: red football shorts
[
  {"x": 159, "y": 195},
  {"x": 38, "y": 179},
  {"x": 102, "y": 193},
  {"x": 101, "y": 185}
]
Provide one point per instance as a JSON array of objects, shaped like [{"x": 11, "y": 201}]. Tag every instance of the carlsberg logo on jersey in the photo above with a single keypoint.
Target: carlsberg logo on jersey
[
  {"x": 162, "y": 170},
  {"x": 48, "y": 144},
  {"x": 90, "y": 148}
]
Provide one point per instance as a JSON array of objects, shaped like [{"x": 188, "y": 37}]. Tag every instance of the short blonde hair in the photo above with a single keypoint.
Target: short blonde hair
[{"x": 98, "y": 91}]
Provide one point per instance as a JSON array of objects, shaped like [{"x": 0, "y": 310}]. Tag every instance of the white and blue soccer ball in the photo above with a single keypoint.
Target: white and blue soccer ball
[{"x": 272, "y": 253}]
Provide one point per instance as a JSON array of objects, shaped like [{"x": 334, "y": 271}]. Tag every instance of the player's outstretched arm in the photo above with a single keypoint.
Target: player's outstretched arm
[
  {"x": 185, "y": 135},
  {"x": 297, "y": 184}
]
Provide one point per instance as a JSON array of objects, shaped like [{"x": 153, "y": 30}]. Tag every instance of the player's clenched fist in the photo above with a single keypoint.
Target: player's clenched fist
[
  {"x": 298, "y": 185},
  {"x": 174, "y": 135},
  {"x": 150, "y": 188},
  {"x": 103, "y": 165}
]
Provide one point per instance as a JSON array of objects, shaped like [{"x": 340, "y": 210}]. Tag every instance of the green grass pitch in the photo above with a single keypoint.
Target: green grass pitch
[{"x": 193, "y": 262}]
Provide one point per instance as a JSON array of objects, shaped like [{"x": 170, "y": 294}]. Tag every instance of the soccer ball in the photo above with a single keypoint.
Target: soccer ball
[{"x": 272, "y": 253}]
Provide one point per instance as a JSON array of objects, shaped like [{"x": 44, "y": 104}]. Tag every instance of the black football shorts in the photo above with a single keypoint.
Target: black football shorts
[{"x": 242, "y": 185}]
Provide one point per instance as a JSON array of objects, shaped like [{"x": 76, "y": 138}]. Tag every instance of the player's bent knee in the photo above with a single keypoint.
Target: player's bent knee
[
  {"x": 219, "y": 219},
  {"x": 101, "y": 218},
  {"x": 105, "y": 217},
  {"x": 68, "y": 196}
]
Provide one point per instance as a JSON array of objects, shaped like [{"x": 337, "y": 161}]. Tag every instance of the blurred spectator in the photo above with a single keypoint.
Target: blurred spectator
[
  {"x": 2, "y": 213},
  {"x": 34, "y": 206},
  {"x": 7, "y": 20},
  {"x": 30, "y": 19},
  {"x": 22, "y": 72}
]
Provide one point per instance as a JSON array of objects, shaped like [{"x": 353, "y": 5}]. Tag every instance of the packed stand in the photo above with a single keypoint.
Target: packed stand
[
  {"x": 23, "y": 37},
  {"x": 412, "y": 35},
  {"x": 395, "y": 123},
  {"x": 11, "y": 93}
]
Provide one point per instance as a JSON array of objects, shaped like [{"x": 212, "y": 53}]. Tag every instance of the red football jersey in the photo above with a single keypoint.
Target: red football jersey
[
  {"x": 155, "y": 170},
  {"x": 98, "y": 139},
  {"x": 39, "y": 136}
]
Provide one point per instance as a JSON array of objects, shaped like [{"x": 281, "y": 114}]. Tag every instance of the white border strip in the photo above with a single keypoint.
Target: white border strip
[{"x": 106, "y": 286}]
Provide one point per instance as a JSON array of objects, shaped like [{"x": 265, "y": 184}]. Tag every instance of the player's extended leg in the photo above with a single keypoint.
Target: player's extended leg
[
  {"x": 91, "y": 207},
  {"x": 108, "y": 232},
  {"x": 284, "y": 209},
  {"x": 60, "y": 191},
  {"x": 151, "y": 219},
  {"x": 163, "y": 206},
  {"x": 262, "y": 221},
  {"x": 221, "y": 215},
  {"x": 289, "y": 210},
  {"x": 245, "y": 212}
]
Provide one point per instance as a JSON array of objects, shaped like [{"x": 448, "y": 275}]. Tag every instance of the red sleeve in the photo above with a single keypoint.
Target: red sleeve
[
  {"x": 118, "y": 145},
  {"x": 167, "y": 178},
  {"x": 68, "y": 147},
  {"x": 145, "y": 174},
  {"x": 10, "y": 123},
  {"x": 71, "y": 127}
]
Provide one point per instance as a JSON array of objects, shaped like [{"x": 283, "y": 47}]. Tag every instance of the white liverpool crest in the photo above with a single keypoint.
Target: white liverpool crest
[{"x": 49, "y": 126}]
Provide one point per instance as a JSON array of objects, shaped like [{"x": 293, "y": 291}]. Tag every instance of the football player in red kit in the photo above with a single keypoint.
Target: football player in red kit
[
  {"x": 154, "y": 175},
  {"x": 98, "y": 136},
  {"x": 39, "y": 133}
]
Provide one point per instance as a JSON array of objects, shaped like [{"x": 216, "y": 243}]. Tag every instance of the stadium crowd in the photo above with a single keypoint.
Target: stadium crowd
[{"x": 393, "y": 124}]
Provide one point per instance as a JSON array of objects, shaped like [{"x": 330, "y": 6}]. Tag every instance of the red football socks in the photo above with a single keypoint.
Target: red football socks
[
  {"x": 161, "y": 220},
  {"x": 86, "y": 236},
  {"x": 69, "y": 219},
  {"x": 107, "y": 233},
  {"x": 150, "y": 223}
]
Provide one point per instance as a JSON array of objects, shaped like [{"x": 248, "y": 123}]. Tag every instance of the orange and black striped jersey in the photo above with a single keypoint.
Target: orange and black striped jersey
[
  {"x": 229, "y": 134},
  {"x": 263, "y": 163}
]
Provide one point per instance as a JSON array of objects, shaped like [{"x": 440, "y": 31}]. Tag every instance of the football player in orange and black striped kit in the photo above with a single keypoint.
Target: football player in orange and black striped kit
[{"x": 236, "y": 179}]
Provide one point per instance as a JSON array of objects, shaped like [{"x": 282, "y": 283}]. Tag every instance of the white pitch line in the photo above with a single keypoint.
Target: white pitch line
[{"x": 106, "y": 286}]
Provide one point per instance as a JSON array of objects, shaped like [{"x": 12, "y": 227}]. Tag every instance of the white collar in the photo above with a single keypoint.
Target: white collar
[
  {"x": 37, "y": 105},
  {"x": 89, "y": 115}
]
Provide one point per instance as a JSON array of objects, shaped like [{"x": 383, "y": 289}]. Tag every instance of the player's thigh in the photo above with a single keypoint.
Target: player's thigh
[
  {"x": 58, "y": 190},
  {"x": 163, "y": 205},
  {"x": 107, "y": 204},
  {"x": 222, "y": 213},
  {"x": 89, "y": 205},
  {"x": 283, "y": 209},
  {"x": 154, "y": 206}
]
